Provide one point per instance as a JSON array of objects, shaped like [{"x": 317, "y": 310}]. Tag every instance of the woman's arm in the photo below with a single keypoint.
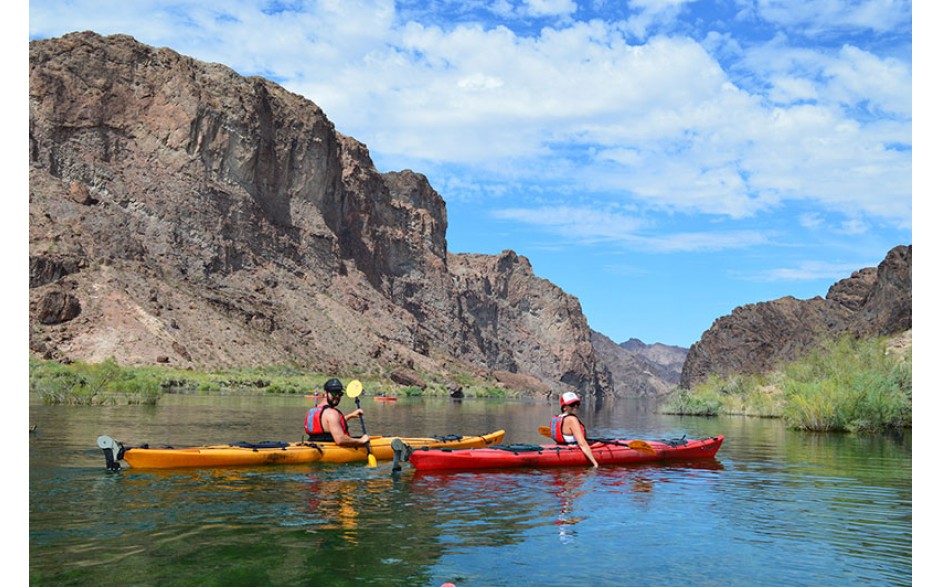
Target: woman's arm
[{"x": 578, "y": 434}]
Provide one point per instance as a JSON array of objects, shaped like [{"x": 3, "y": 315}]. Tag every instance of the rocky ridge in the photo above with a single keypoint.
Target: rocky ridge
[
  {"x": 755, "y": 338},
  {"x": 181, "y": 213},
  {"x": 636, "y": 369}
]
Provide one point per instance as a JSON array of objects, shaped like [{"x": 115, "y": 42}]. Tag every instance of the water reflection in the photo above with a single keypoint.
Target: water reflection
[
  {"x": 498, "y": 506},
  {"x": 483, "y": 508},
  {"x": 567, "y": 487},
  {"x": 332, "y": 501}
]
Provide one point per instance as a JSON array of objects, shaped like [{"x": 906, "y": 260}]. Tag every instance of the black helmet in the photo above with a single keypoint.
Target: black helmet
[{"x": 333, "y": 386}]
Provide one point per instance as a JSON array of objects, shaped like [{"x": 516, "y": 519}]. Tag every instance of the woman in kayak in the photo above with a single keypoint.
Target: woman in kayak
[
  {"x": 325, "y": 423},
  {"x": 567, "y": 427}
]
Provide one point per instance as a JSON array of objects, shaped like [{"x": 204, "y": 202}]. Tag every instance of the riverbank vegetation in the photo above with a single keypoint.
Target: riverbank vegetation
[
  {"x": 843, "y": 385},
  {"x": 109, "y": 383},
  {"x": 93, "y": 384}
]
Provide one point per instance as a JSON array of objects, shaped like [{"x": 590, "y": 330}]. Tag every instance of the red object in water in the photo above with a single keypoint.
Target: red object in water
[
  {"x": 386, "y": 398},
  {"x": 607, "y": 452}
]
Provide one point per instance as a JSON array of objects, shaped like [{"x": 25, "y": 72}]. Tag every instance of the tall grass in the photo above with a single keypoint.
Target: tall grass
[
  {"x": 843, "y": 385},
  {"x": 742, "y": 394},
  {"x": 277, "y": 379},
  {"x": 849, "y": 384},
  {"x": 108, "y": 382},
  {"x": 93, "y": 383}
]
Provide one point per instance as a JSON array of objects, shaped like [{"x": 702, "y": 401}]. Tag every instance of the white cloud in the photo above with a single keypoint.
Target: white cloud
[
  {"x": 787, "y": 89},
  {"x": 550, "y": 7},
  {"x": 879, "y": 85},
  {"x": 662, "y": 118},
  {"x": 806, "y": 271},
  {"x": 588, "y": 224},
  {"x": 854, "y": 226},
  {"x": 650, "y": 13},
  {"x": 811, "y": 220},
  {"x": 592, "y": 225},
  {"x": 701, "y": 242},
  {"x": 824, "y": 15}
]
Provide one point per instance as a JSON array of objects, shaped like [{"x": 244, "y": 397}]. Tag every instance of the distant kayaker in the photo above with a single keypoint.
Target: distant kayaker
[
  {"x": 325, "y": 423},
  {"x": 567, "y": 428}
]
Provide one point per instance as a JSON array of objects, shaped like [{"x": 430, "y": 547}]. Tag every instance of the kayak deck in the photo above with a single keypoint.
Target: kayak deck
[
  {"x": 273, "y": 453},
  {"x": 606, "y": 452}
]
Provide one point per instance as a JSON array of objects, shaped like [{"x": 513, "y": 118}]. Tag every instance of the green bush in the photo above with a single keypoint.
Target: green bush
[
  {"x": 93, "y": 383},
  {"x": 412, "y": 391},
  {"x": 846, "y": 384},
  {"x": 702, "y": 401},
  {"x": 849, "y": 385},
  {"x": 493, "y": 392}
]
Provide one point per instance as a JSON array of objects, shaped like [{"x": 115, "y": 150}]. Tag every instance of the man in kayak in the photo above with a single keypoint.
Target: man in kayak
[
  {"x": 567, "y": 427},
  {"x": 325, "y": 423}
]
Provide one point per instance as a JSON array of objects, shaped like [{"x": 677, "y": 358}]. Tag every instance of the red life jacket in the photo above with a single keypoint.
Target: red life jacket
[
  {"x": 313, "y": 424},
  {"x": 557, "y": 422}
]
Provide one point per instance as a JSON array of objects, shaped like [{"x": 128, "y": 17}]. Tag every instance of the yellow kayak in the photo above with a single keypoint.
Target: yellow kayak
[{"x": 274, "y": 453}]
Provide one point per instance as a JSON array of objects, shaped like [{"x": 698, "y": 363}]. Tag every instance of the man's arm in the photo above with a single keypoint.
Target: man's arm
[{"x": 332, "y": 424}]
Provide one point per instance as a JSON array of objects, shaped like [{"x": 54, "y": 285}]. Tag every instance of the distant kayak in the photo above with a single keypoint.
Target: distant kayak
[
  {"x": 118, "y": 456},
  {"x": 386, "y": 398},
  {"x": 607, "y": 452}
]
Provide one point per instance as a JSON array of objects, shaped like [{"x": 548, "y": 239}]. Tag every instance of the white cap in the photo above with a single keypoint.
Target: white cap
[{"x": 568, "y": 398}]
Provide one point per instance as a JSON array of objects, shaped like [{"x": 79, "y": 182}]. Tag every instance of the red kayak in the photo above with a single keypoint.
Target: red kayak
[{"x": 606, "y": 451}]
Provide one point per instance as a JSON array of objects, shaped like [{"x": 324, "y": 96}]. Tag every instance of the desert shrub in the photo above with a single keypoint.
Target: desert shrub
[
  {"x": 700, "y": 401},
  {"x": 846, "y": 384},
  {"x": 93, "y": 383},
  {"x": 849, "y": 385}
]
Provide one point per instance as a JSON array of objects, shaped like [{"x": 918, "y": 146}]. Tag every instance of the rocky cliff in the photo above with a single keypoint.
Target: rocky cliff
[
  {"x": 181, "y": 213},
  {"x": 756, "y": 337}
]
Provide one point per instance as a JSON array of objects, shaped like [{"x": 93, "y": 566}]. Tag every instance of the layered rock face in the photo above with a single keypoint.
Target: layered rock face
[
  {"x": 182, "y": 213},
  {"x": 756, "y": 337},
  {"x": 519, "y": 322}
]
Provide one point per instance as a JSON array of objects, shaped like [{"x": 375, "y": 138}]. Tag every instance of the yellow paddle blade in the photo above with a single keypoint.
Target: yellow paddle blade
[
  {"x": 545, "y": 431},
  {"x": 642, "y": 446},
  {"x": 372, "y": 462},
  {"x": 354, "y": 388}
]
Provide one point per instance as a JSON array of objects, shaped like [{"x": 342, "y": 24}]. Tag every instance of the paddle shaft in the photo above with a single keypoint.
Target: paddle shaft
[
  {"x": 362, "y": 420},
  {"x": 370, "y": 459}
]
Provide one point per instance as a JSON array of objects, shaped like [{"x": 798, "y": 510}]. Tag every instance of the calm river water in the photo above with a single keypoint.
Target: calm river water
[{"x": 776, "y": 507}]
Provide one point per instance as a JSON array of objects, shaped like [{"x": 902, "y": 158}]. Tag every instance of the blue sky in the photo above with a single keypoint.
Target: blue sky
[{"x": 664, "y": 161}]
